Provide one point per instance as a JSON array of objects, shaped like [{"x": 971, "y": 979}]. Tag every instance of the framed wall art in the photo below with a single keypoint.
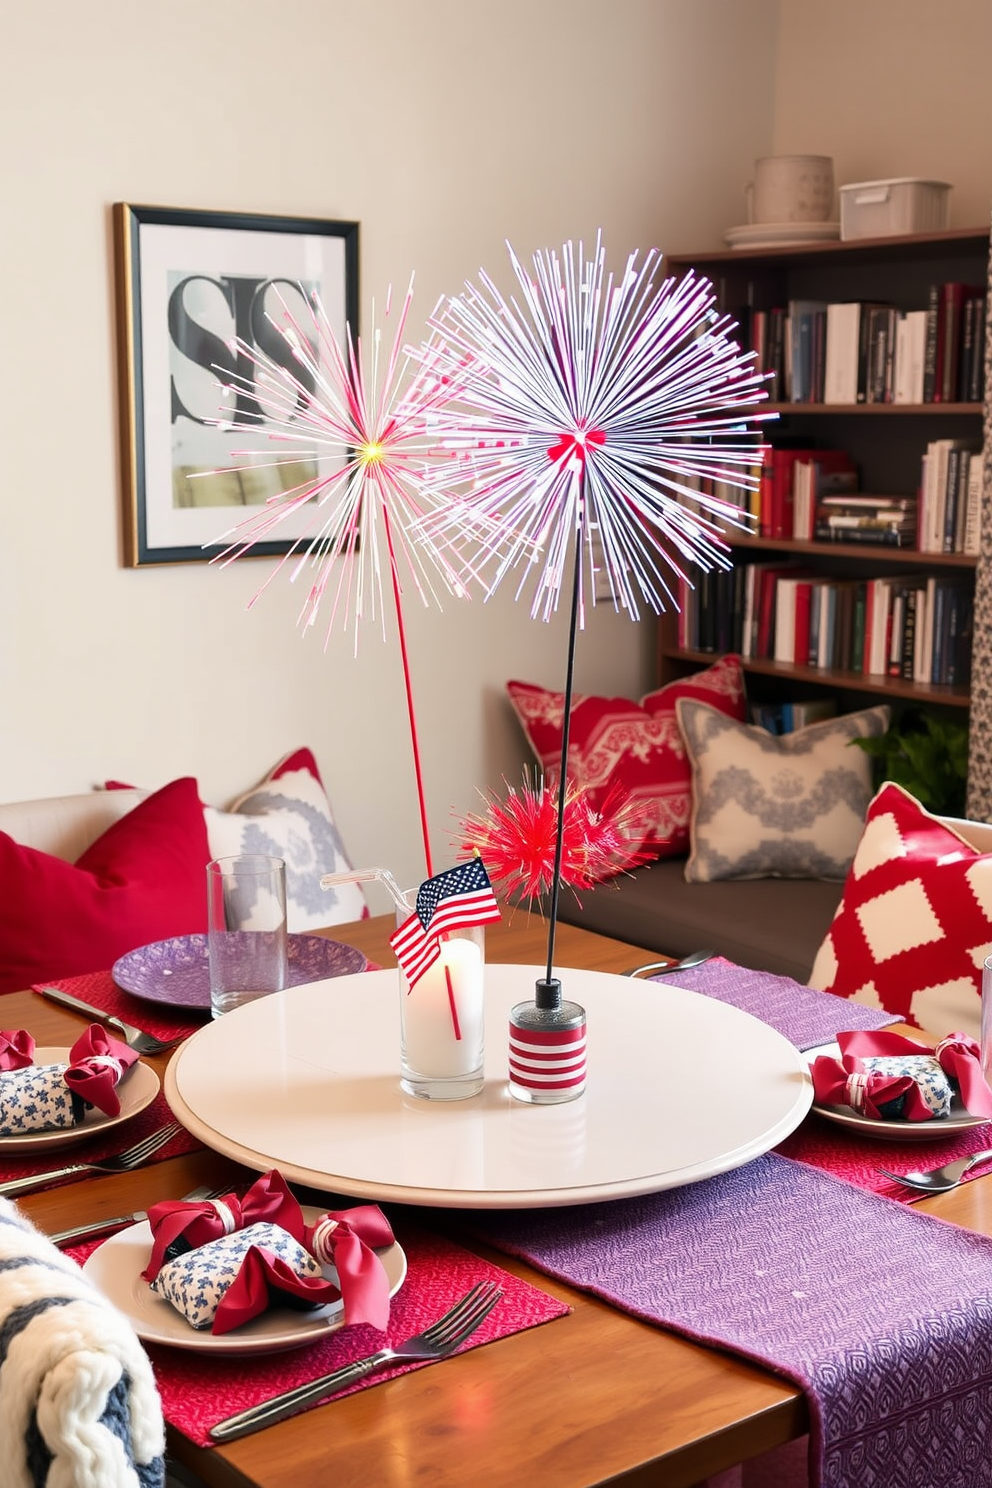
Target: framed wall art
[{"x": 194, "y": 290}]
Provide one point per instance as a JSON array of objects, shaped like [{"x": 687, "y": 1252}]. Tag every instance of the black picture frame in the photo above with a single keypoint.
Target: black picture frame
[{"x": 189, "y": 285}]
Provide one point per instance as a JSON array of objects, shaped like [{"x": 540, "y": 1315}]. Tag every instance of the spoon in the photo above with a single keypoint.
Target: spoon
[
  {"x": 662, "y": 968},
  {"x": 939, "y": 1180}
]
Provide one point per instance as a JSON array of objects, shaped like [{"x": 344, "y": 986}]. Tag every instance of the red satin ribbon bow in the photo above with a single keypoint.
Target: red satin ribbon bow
[
  {"x": 348, "y": 1239},
  {"x": 97, "y": 1064},
  {"x": 16, "y": 1049}
]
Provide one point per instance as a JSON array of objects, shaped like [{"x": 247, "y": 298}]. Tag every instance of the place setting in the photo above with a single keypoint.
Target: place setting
[
  {"x": 322, "y": 1302},
  {"x": 872, "y": 1088},
  {"x": 96, "y": 1096}
]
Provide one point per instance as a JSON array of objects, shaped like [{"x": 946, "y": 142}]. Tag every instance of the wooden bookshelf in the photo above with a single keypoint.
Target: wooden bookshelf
[{"x": 886, "y": 440}]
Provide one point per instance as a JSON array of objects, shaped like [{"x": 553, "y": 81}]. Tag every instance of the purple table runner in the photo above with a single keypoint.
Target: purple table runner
[
  {"x": 804, "y": 1016},
  {"x": 881, "y": 1314}
]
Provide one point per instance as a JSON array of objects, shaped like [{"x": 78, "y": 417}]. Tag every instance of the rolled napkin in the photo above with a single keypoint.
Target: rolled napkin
[
  {"x": 908, "y": 1089},
  {"x": 78, "y": 1402},
  {"x": 345, "y": 1238},
  {"x": 229, "y": 1281},
  {"x": 44, "y": 1097},
  {"x": 887, "y": 1076}
]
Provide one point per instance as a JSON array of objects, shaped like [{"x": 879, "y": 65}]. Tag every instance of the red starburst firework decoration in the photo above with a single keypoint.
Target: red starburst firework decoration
[{"x": 516, "y": 838}]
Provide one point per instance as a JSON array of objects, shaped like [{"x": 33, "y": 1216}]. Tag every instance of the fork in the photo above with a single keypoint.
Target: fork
[
  {"x": 939, "y": 1180},
  {"x": 435, "y": 1342},
  {"x": 135, "y": 1038},
  {"x": 122, "y": 1162}
]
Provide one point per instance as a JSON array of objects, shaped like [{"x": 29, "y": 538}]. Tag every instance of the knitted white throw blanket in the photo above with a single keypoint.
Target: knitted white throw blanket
[{"x": 78, "y": 1403}]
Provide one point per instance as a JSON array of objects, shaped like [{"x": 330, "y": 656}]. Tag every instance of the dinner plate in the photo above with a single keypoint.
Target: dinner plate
[
  {"x": 780, "y": 234},
  {"x": 137, "y": 1090},
  {"x": 894, "y": 1131},
  {"x": 115, "y": 1267},
  {"x": 177, "y": 973}
]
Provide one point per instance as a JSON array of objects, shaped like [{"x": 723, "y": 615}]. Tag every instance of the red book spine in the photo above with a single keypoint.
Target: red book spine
[{"x": 800, "y": 649}]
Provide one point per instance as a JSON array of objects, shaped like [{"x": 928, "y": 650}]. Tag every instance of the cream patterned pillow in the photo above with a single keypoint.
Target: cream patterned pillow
[
  {"x": 775, "y": 806},
  {"x": 288, "y": 815}
]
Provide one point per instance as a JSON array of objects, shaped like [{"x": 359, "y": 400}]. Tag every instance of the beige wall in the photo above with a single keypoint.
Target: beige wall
[
  {"x": 891, "y": 88},
  {"x": 444, "y": 127}
]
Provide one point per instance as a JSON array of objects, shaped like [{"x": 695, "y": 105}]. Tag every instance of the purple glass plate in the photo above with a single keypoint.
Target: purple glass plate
[{"x": 176, "y": 972}]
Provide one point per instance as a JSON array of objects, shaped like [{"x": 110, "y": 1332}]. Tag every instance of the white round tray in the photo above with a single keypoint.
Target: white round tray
[{"x": 680, "y": 1087}]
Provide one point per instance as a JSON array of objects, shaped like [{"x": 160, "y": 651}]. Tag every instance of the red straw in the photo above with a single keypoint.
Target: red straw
[{"x": 418, "y": 772}]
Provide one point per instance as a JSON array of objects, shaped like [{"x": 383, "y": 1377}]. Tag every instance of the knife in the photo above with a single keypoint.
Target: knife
[
  {"x": 119, "y": 1221},
  {"x": 66, "y": 999}
]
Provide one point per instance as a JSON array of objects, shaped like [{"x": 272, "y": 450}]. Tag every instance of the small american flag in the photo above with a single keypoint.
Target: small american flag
[{"x": 454, "y": 900}]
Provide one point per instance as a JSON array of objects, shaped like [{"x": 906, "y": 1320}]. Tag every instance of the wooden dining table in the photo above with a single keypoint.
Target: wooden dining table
[{"x": 594, "y": 1397}]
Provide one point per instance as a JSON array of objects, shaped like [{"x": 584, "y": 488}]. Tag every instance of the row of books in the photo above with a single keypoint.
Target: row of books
[
  {"x": 858, "y": 351},
  {"x": 915, "y": 626},
  {"x": 951, "y": 497}
]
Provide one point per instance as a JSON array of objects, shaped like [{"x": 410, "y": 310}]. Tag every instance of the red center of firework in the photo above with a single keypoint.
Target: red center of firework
[{"x": 574, "y": 444}]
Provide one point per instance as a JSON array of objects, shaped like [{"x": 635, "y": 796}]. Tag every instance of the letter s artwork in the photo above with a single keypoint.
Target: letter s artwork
[{"x": 211, "y": 319}]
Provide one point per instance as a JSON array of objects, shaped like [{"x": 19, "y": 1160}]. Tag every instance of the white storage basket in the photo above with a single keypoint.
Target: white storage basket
[{"x": 882, "y": 209}]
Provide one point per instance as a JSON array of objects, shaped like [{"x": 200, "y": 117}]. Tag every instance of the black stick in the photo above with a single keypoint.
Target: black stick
[{"x": 549, "y": 991}]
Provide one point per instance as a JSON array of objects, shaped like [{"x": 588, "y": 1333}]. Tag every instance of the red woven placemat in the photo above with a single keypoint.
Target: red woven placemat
[
  {"x": 840, "y": 1151},
  {"x": 100, "y": 989},
  {"x": 200, "y": 1389}
]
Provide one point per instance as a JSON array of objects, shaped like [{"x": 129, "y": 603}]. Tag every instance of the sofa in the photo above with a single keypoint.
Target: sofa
[
  {"x": 88, "y": 877},
  {"x": 775, "y": 852},
  {"x": 771, "y": 924}
]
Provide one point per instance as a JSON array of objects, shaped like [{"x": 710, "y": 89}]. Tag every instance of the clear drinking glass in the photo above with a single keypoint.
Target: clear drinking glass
[
  {"x": 442, "y": 1020},
  {"x": 246, "y": 929},
  {"x": 987, "y": 1019}
]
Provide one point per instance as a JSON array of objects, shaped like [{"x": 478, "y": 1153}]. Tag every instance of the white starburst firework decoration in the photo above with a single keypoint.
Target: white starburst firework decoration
[
  {"x": 587, "y": 408},
  {"x": 373, "y": 415}
]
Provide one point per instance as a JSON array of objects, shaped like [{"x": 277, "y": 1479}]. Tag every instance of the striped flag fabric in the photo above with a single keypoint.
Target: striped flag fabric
[{"x": 454, "y": 900}]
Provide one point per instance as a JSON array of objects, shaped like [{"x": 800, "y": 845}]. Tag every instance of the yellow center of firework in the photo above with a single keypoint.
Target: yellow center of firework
[{"x": 371, "y": 453}]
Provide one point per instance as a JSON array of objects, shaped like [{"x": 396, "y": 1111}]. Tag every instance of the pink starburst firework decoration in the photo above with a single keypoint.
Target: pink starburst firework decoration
[
  {"x": 586, "y": 409},
  {"x": 516, "y": 837},
  {"x": 378, "y": 415},
  {"x": 375, "y": 414}
]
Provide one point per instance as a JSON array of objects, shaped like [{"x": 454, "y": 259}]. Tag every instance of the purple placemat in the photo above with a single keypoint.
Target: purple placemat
[
  {"x": 882, "y": 1315},
  {"x": 177, "y": 972},
  {"x": 805, "y": 1017}
]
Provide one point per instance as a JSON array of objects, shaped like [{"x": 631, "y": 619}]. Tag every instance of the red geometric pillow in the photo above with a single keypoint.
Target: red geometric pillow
[
  {"x": 638, "y": 745},
  {"x": 143, "y": 880},
  {"x": 914, "y": 925}
]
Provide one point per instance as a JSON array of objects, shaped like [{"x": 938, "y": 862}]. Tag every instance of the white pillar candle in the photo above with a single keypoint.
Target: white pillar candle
[{"x": 429, "y": 1041}]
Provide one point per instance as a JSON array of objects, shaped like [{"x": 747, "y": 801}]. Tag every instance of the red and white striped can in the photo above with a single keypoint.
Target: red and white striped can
[{"x": 547, "y": 1053}]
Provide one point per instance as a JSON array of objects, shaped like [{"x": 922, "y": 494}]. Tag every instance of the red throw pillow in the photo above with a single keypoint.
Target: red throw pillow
[
  {"x": 915, "y": 921},
  {"x": 638, "y": 745},
  {"x": 143, "y": 880}
]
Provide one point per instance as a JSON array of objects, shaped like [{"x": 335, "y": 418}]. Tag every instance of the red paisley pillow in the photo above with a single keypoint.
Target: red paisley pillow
[
  {"x": 638, "y": 745},
  {"x": 915, "y": 921}
]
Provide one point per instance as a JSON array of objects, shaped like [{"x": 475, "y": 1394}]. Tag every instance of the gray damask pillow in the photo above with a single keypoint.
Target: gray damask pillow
[{"x": 775, "y": 806}]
